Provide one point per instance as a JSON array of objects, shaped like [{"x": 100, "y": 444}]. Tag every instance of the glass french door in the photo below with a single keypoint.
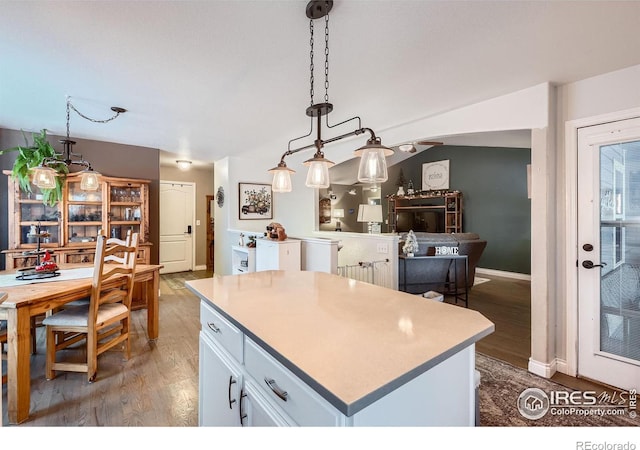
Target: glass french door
[{"x": 609, "y": 253}]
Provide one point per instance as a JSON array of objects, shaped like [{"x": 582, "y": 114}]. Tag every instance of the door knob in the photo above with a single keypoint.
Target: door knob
[{"x": 590, "y": 265}]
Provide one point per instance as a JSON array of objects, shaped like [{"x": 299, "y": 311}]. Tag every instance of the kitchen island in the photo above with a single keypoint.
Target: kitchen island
[{"x": 311, "y": 348}]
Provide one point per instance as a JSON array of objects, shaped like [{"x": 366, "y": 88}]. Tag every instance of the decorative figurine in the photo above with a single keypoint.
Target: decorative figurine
[
  {"x": 410, "y": 190},
  {"x": 275, "y": 231},
  {"x": 410, "y": 246}
]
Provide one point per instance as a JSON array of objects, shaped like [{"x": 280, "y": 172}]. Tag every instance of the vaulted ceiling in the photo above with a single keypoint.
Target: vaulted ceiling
[{"x": 205, "y": 79}]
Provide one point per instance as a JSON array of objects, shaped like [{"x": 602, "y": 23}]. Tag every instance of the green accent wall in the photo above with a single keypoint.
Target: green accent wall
[{"x": 493, "y": 181}]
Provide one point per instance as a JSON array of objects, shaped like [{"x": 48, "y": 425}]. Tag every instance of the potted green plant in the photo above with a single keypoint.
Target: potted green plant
[{"x": 31, "y": 156}]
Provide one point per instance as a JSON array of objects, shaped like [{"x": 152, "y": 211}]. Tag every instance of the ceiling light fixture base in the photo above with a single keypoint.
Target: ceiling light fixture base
[
  {"x": 318, "y": 8},
  {"x": 319, "y": 109}
]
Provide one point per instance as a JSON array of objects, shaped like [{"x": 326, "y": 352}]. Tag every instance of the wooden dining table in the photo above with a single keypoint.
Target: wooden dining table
[{"x": 27, "y": 300}]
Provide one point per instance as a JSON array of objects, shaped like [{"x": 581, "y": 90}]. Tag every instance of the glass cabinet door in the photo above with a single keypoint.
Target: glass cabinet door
[
  {"x": 125, "y": 209},
  {"x": 36, "y": 220},
  {"x": 84, "y": 214}
]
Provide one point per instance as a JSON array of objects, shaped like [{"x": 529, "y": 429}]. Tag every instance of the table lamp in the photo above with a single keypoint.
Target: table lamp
[
  {"x": 338, "y": 214},
  {"x": 372, "y": 214}
]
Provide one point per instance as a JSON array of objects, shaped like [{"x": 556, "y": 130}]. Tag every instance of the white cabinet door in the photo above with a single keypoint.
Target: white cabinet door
[
  {"x": 257, "y": 410},
  {"x": 277, "y": 255},
  {"x": 219, "y": 387}
]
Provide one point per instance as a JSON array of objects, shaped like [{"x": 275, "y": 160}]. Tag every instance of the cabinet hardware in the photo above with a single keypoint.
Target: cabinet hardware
[
  {"x": 213, "y": 327},
  {"x": 242, "y": 416},
  {"x": 231, "y": 401},
  {"x": 276, "y": 389}
]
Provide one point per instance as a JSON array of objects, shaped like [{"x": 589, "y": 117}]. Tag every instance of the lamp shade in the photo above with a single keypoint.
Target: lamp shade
[
  {"x": 338, "y": 213},
  {"x": 281, "y": 178},
  {"x": 373, "y": 165},
  {"x": 44, "y": 177},
  {"x": 370, "y": 213},
  {"x": 90, "y": 180},
  {"x": 318, "y": 175}
]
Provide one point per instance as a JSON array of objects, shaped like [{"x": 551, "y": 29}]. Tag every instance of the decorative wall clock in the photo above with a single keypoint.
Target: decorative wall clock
[{"x": 220, "y": 197}]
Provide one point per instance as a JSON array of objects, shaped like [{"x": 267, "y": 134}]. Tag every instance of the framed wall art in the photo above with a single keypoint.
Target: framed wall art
[
  {"x": 435, "y": 175},
  {"x": 255, "y": 201}
]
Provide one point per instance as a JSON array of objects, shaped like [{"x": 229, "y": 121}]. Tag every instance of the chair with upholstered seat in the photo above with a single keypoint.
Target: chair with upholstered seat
[{"x": 104, "y": 323}]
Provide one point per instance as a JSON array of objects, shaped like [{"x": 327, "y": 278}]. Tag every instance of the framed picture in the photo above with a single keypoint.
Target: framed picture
[
  {"x": 435, "y": 175},
  {"x": 255, "y": 201}
]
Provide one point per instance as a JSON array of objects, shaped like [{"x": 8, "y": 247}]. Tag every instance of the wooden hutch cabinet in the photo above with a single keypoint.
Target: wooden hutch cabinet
[{"x": 73, "y": 224}]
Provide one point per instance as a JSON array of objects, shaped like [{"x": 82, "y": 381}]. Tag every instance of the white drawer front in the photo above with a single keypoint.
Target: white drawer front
[
  {"x": 302, "y": 404},
  {"x": 221, "y": 330}
]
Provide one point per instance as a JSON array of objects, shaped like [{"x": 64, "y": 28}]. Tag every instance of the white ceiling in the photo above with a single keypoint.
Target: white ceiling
[{"x": 205, "y": 79}]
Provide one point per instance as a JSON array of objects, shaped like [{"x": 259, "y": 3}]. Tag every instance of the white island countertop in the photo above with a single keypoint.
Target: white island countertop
[{"x": 352, "y": 342}]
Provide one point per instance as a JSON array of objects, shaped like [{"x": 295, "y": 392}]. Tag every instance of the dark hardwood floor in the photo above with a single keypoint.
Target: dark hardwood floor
[
  {"x": 158, "y": 386},
  {"x": 507, "y": 303}
]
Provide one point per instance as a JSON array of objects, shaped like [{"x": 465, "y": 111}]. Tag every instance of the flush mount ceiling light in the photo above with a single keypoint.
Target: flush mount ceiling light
[
  {"x": 183, "y": 164},
  {"x": 411, "y": 146},
  {"x": 373, "y": 166},
  {"x": 44, "y": 174},
  {"x": 406, "y": 148}
]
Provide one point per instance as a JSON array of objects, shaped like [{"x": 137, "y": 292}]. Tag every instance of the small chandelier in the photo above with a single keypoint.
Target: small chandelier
[
  {"x": 373, "y": 166},
  {"x": 44, "y": 174}
]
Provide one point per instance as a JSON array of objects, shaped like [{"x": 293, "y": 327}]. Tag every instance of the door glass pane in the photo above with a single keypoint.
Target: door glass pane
[{"x": 620, "y": 249}]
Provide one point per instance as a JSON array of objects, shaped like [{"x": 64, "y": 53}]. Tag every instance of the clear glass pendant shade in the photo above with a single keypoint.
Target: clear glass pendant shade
[
  {"x": 373, "y": 166},
  {"x": 318, "y": 175},
  {"x": 281, "y": 178}
]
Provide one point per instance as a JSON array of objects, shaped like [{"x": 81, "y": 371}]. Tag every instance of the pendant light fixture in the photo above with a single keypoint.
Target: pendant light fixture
[
  {"x": 373, "y": 166},
  {"x": 44, "y": 174}
]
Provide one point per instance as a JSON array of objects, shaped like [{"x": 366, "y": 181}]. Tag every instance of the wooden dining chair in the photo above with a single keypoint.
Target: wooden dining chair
[
  {"x": 102, "y": 324},
  {"x": 116, "y": 257}
]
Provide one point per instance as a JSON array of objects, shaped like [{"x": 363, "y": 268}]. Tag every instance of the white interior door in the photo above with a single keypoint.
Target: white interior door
[
  {"x": 609, "y": 253},
  {"x": 177, "y": 201}
]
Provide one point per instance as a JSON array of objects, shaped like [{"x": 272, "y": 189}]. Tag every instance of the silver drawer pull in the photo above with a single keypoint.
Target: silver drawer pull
[
  {"x": 276, "y": 389},
  {"x": 213, "y": 327}
]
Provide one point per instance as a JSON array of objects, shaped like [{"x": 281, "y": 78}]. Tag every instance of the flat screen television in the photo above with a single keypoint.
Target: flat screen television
[{"x": 430, "y": 221}]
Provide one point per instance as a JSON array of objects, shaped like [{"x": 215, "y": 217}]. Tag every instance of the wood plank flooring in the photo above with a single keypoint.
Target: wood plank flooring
[
  {"x": 158, "y": 386},
  {"x": 507, "y": 303}
]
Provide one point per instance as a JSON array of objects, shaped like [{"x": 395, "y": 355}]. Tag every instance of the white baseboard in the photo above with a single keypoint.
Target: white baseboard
[
  {"x": 203, "y": 267},
  {"x": 542, "y": 369},
  {"x": 563, "y": 367},
  {"x": 501, "y": 273}
]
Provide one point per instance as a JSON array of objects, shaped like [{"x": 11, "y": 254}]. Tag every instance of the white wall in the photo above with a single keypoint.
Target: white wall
[{"x": 294, "y": 210}]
